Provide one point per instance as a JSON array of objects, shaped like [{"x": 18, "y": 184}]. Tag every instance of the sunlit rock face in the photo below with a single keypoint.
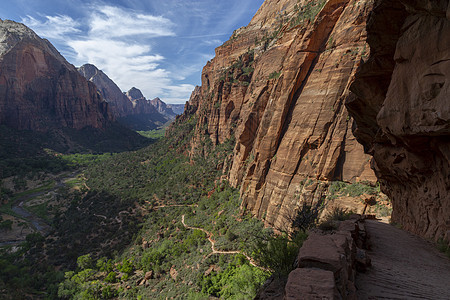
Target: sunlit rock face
[
  {"x": 278, "y": 86},
  {"x": 39, "y": 89},
  {"x": 402, "y": 108}
]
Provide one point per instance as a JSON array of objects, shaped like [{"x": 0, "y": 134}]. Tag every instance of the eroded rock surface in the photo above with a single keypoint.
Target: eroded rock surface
[
  {"x": 119, "y": 104},
  {"x": 401, "y": 105},
  {"x": 311, "y": 284},
  {"x": 278, "y": 87},
  {"x": 39, "y": 89},
  {"x": 163, "y": 108}
]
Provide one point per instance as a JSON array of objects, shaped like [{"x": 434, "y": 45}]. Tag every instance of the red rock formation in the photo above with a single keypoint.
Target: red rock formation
[
  {"x": 278, "y": 86},
  {"x": 401, "y": 106},
  {"x": 119, "y": 104},
  {"x": 163, "y": 108},
  {"x": 39, "y": 89},
  {"x": 140, "y": 104},
  {"x": 144, "y": 115}
]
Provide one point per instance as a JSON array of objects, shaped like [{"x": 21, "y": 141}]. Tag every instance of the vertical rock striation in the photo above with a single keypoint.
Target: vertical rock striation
[
  {"x": 39, "y": 89},
  {"x": 278, "y": 86},
  {"x": 402, "y": 109}
]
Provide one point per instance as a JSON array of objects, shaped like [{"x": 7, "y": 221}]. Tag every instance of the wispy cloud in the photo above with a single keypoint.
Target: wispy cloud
[
  {"x": 54, "y": 27},
  {"x": 212, "y": 42},
  {"x": 110, "y": 43},
  {"x": 158, "y": 46},
  {"x": 115, "y": 22}
]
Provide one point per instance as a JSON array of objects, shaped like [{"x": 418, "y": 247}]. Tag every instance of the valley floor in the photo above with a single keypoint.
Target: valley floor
[{"x": 403, "y": 267}]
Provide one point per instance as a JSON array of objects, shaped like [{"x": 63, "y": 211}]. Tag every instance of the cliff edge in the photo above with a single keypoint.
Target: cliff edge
[
  {"x": 278, "y": 88},
  {"x": 39, "y": 89}
]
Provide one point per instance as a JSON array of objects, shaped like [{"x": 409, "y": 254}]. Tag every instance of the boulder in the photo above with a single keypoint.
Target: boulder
[
  {"x": 305, "y": 284},
  {"x": 173, "y": 273},
  {"x": 148, "y": 275}
]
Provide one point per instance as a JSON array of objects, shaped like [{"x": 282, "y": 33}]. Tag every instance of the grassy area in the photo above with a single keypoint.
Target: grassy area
[
  {"x": 154, "y": 134},
  {"x": 40, "y": 210},
  {"x": 75, "y": 182},
  {"x": 79, "y": 160},
  {"x": 47, "y": 186},
  {"x": 340, "y": 188},
  {"x": 7, "y": 209}
]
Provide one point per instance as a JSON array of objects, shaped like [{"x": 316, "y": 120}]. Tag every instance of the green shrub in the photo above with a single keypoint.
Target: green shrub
[
  {"x": 278, "y": 253},
  {"x": 6, "y": 225},
  {"x": 111, "y": 277},
  {"x": 306, "y": 217},
  {"x": 109, "y": 292},
  {"x": 275, "y": 75},
  {"x": 443, "y": 246},
  {"x": 85, "y": 262},
  {"x": 330, "y": 221}
]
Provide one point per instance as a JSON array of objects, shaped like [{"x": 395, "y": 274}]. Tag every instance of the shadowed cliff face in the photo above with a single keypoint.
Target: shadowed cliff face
[
  {"x": 401, "y": 105},
  {"x": 119, "y": 104},
  {"x": 39, "y": 89},
  {"x": 278, "y": 86}
]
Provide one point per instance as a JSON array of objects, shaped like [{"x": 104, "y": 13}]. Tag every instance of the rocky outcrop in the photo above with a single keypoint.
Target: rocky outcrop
[
  {"x": 119, "y": 104},
  {"x": 39, "y": 89},
  {"x": 278, "y": 87},
  {"x": 327, "y": 263},
  {"x": 176, "y": 108},
  {"x": 124, "y": 106},
  {"x": 140, "y": 104},
  {"x": 401, "y": 107},
  {"x": 163, "y": 108},
  {"x": 134, "y": 94},
  {"x": 144, "y": 115}
]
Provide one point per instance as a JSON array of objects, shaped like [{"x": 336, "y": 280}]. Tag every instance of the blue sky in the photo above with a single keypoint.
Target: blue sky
[{"x": 159, "y": 47}]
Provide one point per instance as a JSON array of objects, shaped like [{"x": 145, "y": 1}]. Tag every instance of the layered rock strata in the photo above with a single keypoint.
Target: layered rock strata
[
  {"x": 327, "y": 264},
  {"x": 400, "y": 102},
  {"x": 278, "y": 87},
  {"x": 39, "y": 89}
]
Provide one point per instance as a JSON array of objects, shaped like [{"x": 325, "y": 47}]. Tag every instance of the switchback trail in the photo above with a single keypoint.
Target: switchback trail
[
  {"x": 215, "y": 251},
  {"x": 404, "y": 266}
]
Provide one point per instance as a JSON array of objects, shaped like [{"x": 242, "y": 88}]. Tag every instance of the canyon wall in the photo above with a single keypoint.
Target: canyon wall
[
  {"x": 401, "y": 105},
  {"x": 39, "y": 89},
  {"x": 278, "y": 86},
  {"x": 119, "y": 104}
]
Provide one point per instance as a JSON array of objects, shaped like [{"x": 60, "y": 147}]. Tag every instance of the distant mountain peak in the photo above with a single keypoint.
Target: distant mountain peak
[{"x": 134, "y": 94}]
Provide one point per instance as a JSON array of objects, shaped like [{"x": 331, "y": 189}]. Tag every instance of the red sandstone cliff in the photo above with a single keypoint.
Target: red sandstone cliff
[
  {"x": 402, "y": 108},
  {"x": 278, "y": 86},
  {"x": 39, "y": 89}
]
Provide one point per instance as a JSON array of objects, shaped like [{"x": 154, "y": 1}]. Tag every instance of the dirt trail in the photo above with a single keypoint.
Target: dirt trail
[
  {"x": 213, "y": 246},
  {"x": 403, "y": 267}
]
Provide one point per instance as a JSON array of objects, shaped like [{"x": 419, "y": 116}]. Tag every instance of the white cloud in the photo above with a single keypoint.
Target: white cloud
[
  {"x": 178, "y": 92},
  {"x": 118, "y": 41},
  {"x": 113, "y": 22},
  {"x": 54, "y": 27},
  {"x": 213, "y": 42}
]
